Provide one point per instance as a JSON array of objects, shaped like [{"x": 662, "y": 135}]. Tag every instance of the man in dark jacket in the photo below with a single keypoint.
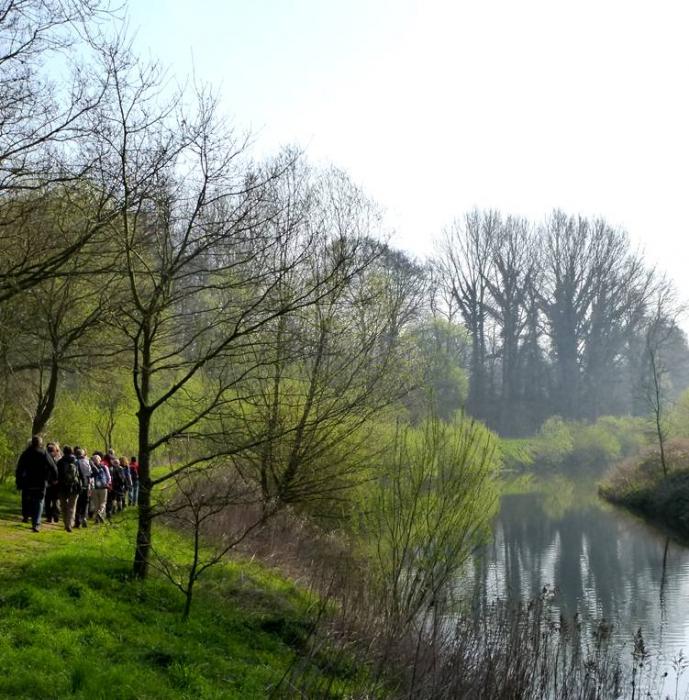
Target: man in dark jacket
[{"x": 37, "y": 469}]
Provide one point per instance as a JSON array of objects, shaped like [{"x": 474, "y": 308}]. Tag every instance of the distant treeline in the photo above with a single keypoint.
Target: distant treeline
[{"x": 563, "y": 318}]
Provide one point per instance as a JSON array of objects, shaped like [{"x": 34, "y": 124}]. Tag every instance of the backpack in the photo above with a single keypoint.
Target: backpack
[
  {"x": 71, "y": 478},
  {"x": 100, "y": 477},
  {"x": 118, "y": 481}
]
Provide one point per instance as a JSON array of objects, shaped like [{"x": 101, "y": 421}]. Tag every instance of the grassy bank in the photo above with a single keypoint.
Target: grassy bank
[
  {"x": 74, "y": 624},
  {"x": 641, "y": 485}
]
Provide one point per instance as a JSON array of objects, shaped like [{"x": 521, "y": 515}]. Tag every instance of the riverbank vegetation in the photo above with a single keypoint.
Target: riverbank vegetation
[
  {"x": 654, "y": 482},
  {"x": 642, "y": 485},
  {"x": 576, "y": 447}
]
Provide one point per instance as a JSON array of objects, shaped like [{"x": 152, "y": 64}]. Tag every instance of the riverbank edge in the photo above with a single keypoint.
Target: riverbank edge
[{"x": 641, "y": 486}]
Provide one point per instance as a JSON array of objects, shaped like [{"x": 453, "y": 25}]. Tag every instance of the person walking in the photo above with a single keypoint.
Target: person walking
[
  {"x": 117, "y": 487},
  {"x": 86, "y": 486},
  {"x": 127, "y": 475},
  {"x": 37, "y": 469},
  {"x": 101, "y": 483},
  {"x": 69, "y": 486},
  {"x": 52, "y": 495},
  {"x": 134, "y": 473}
]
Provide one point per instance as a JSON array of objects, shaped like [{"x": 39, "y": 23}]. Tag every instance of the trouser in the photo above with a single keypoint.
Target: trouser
[
  {"x": 82, "y": 508},
  {"x": 134, "y": 494},
  {"x": 68, "y": 502},
  {"x": 99, "y": 499},
  {"x": 110, "y": 506},
  {"x": 35, "y": 502},
  {"x": 52, "y": 503}
]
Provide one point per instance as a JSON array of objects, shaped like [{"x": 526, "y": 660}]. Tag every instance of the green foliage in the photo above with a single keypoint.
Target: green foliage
[
  {"x": 516, "y": 453},
  {"x": 431, "y": 507},
  {"x": 6, "y": 456},
  {"x": 677, "y": 420},
  {"x": 15, "y": 427},
  {"x": 555, "y": 441},
  {"x": 567, "y": 445},
  {"x": 439, "y": 350},
  {"x": 97, "y": 413},
  {"x": 595, "y": 445},
  {"x": 629, "y": 432}
]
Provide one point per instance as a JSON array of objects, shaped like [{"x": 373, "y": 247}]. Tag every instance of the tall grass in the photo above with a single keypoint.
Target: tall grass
[{"x": 452, "y": 649}]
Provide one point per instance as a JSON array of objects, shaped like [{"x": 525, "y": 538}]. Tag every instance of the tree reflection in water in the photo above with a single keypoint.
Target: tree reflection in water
[{"x": 602, "y": 562}]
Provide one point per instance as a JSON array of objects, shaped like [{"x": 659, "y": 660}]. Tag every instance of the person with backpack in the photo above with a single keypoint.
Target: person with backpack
[
  {"x": 52, "y": 494},
  {"x": 117, "y": 487},
  {"x": 36, "y": 469},
  {"x": 69, "y": 486},
  {"x": 86, "y": 486},
  {"x": 101, "y": 484},
  {"x": 134, "y": 473}
]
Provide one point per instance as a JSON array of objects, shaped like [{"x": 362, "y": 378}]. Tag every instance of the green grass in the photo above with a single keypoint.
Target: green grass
[{"x": 73, "y": 624}]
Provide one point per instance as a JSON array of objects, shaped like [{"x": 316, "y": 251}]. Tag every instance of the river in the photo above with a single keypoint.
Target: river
[{"x": 602, "y": 561}]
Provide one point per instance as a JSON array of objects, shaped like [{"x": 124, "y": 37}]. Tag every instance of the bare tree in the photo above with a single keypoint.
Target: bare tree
[
  {"x": 659, "y": 330},
  {"x": 568, "y": 280},
  {"x": 462, "y": 265},
  {"x": 554, "y": 313},
  {"x": 198, "y": 503},
  {"x": 509, "y": 276},
  {"x": 42, "y": 120},
  {"x": 56, "y": 327},
  {"x": 207, "y": 240},
  {"x": 328, "y": 371},
  {"x": 620, "y": 296}
]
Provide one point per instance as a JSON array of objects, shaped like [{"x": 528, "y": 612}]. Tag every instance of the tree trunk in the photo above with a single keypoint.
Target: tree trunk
[
  {"x": 46, "y": 401},
  {"x": 143, "y": 535},
  {"x": 189, "y": 593},
  {"x": 476, "y": 401}
]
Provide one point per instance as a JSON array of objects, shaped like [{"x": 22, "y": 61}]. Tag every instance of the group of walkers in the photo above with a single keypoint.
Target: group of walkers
[{"x": 68, "y": 481}]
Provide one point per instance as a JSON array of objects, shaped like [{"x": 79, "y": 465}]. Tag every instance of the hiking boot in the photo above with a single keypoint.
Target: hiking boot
[{"x": 35, "y": 529}]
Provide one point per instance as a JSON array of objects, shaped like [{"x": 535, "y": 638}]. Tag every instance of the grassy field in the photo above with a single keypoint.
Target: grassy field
[{"x": 73, "y": 624}]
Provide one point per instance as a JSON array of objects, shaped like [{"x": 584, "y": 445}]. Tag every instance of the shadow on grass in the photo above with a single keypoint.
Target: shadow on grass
[{"x": 10, "y": 504}]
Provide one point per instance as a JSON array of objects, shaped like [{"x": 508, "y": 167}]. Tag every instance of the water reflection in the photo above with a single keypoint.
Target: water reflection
[{"x": 602, "y": 561}]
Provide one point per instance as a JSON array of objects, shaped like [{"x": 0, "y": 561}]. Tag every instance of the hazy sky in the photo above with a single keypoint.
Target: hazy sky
[{"x": 437, "y": 106}]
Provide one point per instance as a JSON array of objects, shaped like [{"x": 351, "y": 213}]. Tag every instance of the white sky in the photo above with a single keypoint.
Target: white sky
[{"x": 437, "y": 106}]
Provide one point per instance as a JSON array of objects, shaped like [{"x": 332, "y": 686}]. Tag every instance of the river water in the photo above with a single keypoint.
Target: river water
[{"x": 602, "y": 561}]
